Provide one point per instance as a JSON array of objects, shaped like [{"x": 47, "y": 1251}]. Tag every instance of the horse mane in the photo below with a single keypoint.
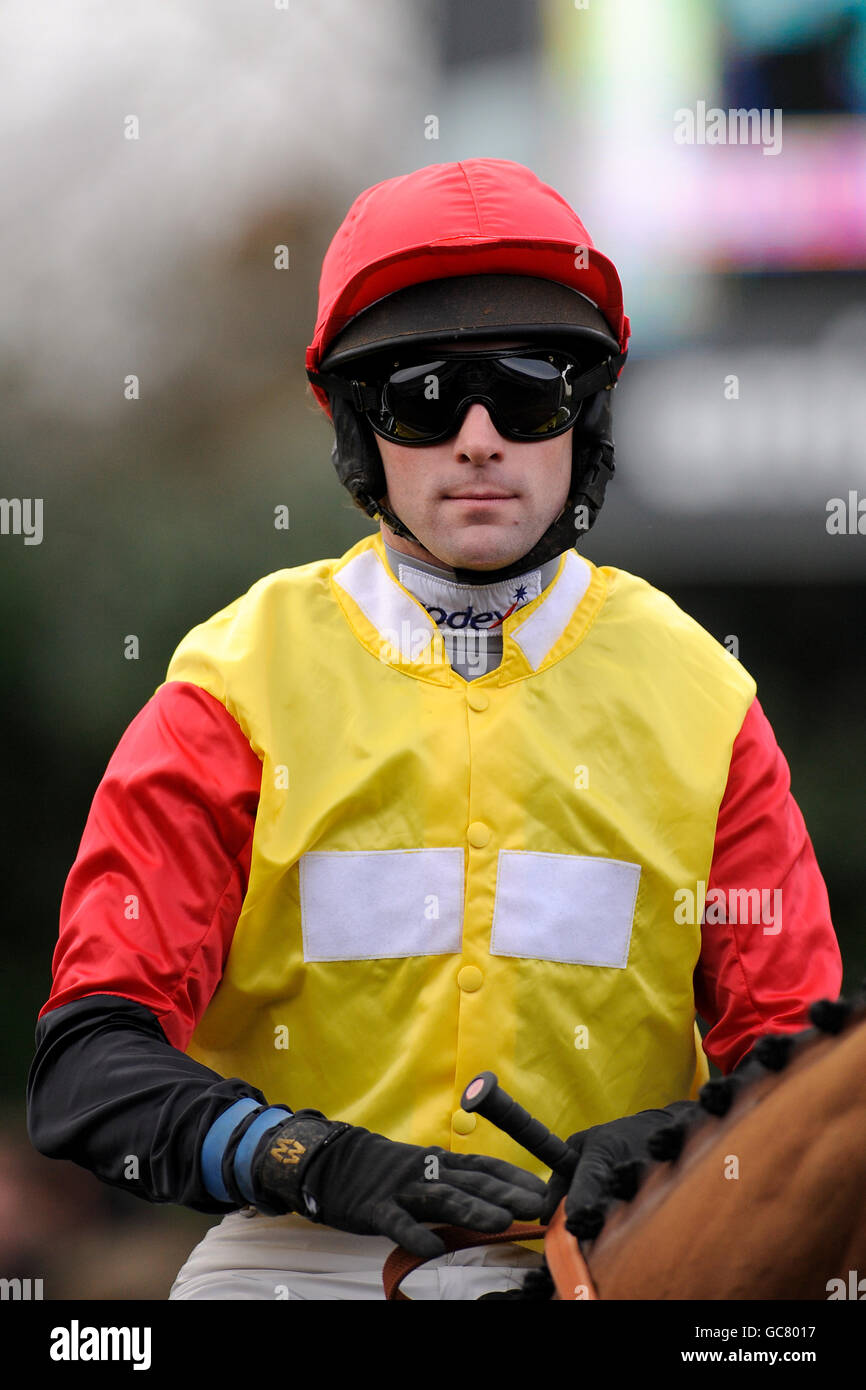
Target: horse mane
[
  {"x": 771, "y": 1052},
  {"x": 760, "y": 1070}
]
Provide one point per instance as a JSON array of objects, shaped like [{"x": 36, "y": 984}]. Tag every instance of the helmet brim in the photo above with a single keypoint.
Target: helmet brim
[{"x": 449, "y": 309}]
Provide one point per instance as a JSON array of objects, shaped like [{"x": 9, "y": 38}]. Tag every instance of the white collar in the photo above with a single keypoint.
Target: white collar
[{"x": 403, "y": 625}]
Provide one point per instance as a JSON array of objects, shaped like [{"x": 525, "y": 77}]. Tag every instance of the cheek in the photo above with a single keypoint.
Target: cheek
[
  {"x": 554, "y": 480},
  {"x": 393, "y": 468},
  {"x": 565, "y": 467},
  {"x": 401, "y": 483},
  {"x": 410, "y": 474}
]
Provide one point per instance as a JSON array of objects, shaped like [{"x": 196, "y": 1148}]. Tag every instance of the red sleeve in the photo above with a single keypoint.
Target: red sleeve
[
  {"x": 767, "y": 955},
  {"x": 152, "y": 900}
]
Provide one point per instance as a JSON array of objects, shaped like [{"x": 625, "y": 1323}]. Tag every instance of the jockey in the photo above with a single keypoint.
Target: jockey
[{"x": 459, "y": 799}]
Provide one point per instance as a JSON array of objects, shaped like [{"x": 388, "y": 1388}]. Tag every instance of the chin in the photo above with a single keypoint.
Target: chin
[
  {"x": 485, "y": 564},
  {"x": 461, "y": 549},
  {"x": 483, "y": 559}
]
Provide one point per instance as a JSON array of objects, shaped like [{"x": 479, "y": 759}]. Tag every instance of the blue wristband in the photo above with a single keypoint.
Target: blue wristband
[
  {"x": 215, "y": 1142},
  {"x": 269, "y": 1119}
]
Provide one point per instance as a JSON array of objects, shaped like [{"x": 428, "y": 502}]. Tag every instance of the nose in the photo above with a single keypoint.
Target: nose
[{"x": 477, "y": 437}]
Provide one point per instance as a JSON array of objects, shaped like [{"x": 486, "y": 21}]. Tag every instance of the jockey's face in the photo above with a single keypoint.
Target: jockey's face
[{"x": 478, "y": 501}]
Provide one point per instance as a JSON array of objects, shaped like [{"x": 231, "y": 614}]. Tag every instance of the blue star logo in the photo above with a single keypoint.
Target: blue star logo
[{"x": 520, "y": 592}]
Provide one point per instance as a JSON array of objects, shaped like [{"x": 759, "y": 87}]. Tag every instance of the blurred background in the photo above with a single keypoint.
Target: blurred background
[{"x": 154, "y": 157}]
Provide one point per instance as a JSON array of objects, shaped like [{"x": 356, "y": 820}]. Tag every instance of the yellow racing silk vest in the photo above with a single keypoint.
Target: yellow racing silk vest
[{"x": 452, "y": 876}]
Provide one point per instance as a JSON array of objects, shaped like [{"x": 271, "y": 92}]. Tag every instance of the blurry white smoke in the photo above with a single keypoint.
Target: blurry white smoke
[{"x": 242, "y": 107}]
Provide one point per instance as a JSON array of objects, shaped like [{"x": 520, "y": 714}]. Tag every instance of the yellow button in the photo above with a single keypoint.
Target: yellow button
[
  {"x": 470, "y": 978},
  {"x": 478, "y": 834},
  {"x": 463, "y": 1123},
  {"x": 477, "y": 699}
]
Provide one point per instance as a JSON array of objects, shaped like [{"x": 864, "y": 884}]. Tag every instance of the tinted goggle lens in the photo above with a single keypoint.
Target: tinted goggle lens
[{"x": 528, "y": 395}]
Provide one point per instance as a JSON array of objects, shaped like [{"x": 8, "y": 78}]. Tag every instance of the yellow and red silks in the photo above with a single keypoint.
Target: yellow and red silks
[{"x": 334, "y": 868}]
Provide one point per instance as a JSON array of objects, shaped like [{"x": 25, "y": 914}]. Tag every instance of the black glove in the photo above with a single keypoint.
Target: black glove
[
  {"x": 349, "y": 1178},
  {"x": 620, "y": 1145}
]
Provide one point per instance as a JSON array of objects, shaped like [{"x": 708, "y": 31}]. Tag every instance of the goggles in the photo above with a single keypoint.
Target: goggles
[{"x": 530, "y": 393}]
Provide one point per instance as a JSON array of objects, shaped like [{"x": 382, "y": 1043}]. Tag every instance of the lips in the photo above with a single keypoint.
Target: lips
[{"x": 478, "y": 496}]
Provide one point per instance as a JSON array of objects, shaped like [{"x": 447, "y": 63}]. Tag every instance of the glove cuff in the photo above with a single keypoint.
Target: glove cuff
[{"x": 281, "y": 1165}]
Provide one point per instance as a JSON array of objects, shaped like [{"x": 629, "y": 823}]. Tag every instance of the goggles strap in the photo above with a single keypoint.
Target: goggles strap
[{"x": 362, "y": 396}]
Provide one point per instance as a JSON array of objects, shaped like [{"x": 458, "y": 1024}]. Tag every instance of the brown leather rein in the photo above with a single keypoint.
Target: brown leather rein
[{"x": 565, "y": 1261}]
